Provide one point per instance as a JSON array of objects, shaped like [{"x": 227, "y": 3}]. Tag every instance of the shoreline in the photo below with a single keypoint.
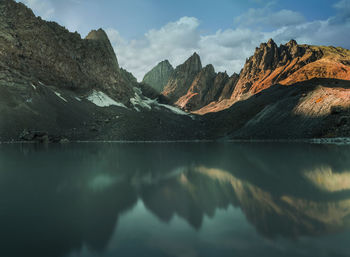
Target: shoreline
[{"x": 332, "y": 141}]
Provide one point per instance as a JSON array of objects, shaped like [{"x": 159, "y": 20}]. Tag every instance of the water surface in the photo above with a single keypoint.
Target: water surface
[{"x": 179, "y": 199}]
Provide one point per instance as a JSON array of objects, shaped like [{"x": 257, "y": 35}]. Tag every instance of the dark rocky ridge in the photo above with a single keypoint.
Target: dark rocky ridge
[
  {"x": 50, "y": 78},
  {"x": 159, "y": 76},
  {"x": 37, "y": 50}
]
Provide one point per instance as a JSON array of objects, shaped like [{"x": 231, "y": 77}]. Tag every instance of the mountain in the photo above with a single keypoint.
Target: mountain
[
  {"x": 289, "y": 64},
  {"x": 35, "y": 50},
  {"x": 285, "y": 65},
  {"x": 182, "y": 78},
  {"x": 159, "y": 76},
  {"x": 207, "y": 88},
  {"x": 56, "y": 85},
  {"x": 192, "y": 87}
]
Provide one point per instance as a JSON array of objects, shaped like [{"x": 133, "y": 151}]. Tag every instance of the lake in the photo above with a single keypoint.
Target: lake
[{"x": 174, "y": 199}]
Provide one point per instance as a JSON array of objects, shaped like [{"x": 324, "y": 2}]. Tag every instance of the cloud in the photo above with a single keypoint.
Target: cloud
[
  {"x": 175, "y": 41},
  {"x": 43, "y": 8},
  {"x": 267, "y": 17},
  {"x": 343, "y": 9}
]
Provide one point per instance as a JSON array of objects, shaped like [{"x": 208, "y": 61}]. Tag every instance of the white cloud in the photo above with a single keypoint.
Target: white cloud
[
  {"x": 43, "y": 8},
  {"x": 176, "y": 41}
]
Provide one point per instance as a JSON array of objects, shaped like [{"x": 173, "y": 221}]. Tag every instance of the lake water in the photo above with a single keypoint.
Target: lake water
[{"x": 178, "y": 199}]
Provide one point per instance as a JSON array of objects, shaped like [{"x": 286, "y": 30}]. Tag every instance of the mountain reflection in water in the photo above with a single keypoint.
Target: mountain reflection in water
[{"x": 180, "y": 199}]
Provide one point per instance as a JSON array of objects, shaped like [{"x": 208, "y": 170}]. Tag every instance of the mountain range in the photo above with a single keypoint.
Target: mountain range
[{"x": 55, "y": 85}]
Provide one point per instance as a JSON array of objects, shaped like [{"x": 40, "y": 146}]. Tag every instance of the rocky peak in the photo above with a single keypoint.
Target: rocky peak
[
  {"x": 181, "y": 79},
  {"x": 268, "y": 57},
  {"x": 100, "y": 37},
  {"x": 209, "y": 69},
  {"x": 192, "y": 64},
  {"x": 229, "y": 87},
  {"x": 292, "y": 43},
  {"x": 99, "y": 34},
  {"x": 265, "y": 56},
  {"x": 159, "y": 76},
  {"x": 45, "y": 51},
  {"x": 287, "y": 64},
  {"x": 207, "y": 87}
]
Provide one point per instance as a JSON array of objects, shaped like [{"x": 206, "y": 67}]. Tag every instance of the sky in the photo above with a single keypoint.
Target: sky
[{"x": 223, "y": 32}]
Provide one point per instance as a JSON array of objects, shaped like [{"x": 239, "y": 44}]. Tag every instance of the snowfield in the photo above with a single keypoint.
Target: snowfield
[
  {"x": 102, "y": 100},
  {"x": 144, "y": 102}
]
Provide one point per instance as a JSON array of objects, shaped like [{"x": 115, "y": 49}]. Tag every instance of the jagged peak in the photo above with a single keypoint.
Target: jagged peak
[
  {"x": 194, "y": 60},
  {"x": 209, "y": 68},
  {"x": 99, "y": 34},
  {"x": 165, "y": 63},
  {"x": 16, "y": 9},
  {"x": 292, "y": 42},
  {"x": 271, "y": 42},
  {"x": 194, "y": 56}
]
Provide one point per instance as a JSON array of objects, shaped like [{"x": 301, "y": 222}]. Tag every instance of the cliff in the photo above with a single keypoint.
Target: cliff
[
  {"x": 159, "y": 76},
  {"x": 182, "y": 78}
]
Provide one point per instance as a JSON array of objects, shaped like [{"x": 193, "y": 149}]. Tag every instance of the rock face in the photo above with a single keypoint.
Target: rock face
[
  {"x": 182, "y": 78},
  {"x": 192, "y": 88},
  {"x": 229, "y": 87},
  {"x": 36, "y": 50},
  {"x": 289, "y": 64},
  {"x": 207, "y": 87},
  {"x": 286, "y": 65},
  {"x": 159, "y": 76}
]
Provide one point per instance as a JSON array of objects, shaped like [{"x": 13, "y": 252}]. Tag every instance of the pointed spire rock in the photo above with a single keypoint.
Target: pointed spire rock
[
  {"x": 101, "y": 36},
  {"x": 159, "y": 76},
  {"x": 182, "y": 78},
  {"x": 192, "y": 64},
  {"x": 271, "y": 42},
  {"x": 292, "y": 42}
]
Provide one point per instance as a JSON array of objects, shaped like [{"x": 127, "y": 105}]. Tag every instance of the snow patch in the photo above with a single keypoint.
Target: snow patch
[
  {"x": 102, "y": 100},
  {"x": 59, "y": 95},
  {"x": 174, "y": 109},
  {"x": 144, "y": 102}
]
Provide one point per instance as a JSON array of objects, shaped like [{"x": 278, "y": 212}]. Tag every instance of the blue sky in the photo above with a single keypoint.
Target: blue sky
[{"x": 223, "y": 32}]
